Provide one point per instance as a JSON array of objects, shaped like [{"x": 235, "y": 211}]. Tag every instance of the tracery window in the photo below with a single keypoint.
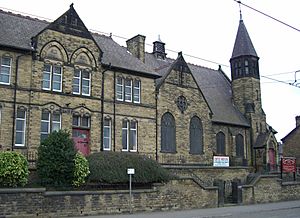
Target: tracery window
[
  {"x": 168, "y": 133},
  {"x": 196, "y": 136},
  {"x": 239, "y": 143},
  {"x": 221, "y": 146}
]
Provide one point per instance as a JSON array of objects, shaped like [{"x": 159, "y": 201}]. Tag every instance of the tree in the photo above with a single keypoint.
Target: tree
[{"x": 56, "y": 159}]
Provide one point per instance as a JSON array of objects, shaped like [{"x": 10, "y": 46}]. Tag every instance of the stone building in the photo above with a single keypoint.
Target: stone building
[
  {"x": 60, "y": 75},
  {"x": 291, "y": 143}
]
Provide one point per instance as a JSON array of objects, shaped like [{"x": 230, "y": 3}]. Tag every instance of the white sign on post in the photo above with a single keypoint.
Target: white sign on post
[{"x": 130, "y": 171}]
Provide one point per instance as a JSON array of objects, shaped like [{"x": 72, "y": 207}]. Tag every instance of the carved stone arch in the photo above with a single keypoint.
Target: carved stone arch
[
  {"x": 82, "y": 111},
  {"x": 52, "y": 107},
  {"x": 55, "y": 51},
  {"x": 107, "y": 117},
  {"x": 21, "y": 107},
  {"x": 83, "y": 56}
]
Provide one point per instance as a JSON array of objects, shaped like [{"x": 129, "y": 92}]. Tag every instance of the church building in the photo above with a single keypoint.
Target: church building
[{"x": 111, "y": 98}]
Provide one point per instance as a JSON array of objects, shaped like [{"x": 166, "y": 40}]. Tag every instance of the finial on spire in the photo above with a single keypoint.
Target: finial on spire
[
  {"x": 159, "y": 40},
  {"x": 71, "y": 5},
  {"x": 241, "y": 17}
]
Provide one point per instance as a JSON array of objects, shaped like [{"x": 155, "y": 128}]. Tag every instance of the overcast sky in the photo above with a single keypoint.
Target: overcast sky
[{"x": 205, "y": 29}]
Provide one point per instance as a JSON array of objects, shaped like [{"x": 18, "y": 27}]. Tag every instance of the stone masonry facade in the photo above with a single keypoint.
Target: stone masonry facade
[{"x": 59, "y": 75}]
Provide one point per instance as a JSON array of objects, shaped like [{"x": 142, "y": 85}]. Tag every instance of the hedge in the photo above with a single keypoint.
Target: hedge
[
  {"x": 111, "y": 168},
  {"x": 13, "y": 169}
]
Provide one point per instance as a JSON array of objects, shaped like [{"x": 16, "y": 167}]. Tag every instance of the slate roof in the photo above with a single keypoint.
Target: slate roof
[
  {"x": 243, "y": 44},
  {"x": 261, "y": 140},
  {"x": 17, "y": 31},
  {"x": 293, "y": 132},
  {"x": 214, "y": 85}
]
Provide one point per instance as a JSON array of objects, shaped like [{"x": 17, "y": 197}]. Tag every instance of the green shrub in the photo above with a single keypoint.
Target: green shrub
[
  {"x": 81, "y": 170},
  {"x": 56, "y": 159},
  {"x": 13, "y": 169},
  {"x": 111, "y": 167}
]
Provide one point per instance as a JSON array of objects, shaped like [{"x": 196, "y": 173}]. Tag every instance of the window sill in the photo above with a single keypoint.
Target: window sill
[
  {"x": 169, "y": 152},
  {"x": 133, "y": 151},
  {"x": 194, "y": 153},
  {"x": 19, "y": 147},
  {"x": 128, "y": 102}
]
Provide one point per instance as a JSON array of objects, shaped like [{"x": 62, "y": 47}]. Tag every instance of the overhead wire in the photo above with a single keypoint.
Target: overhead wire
[
  {"x": 269, "y": 16},
  {"x": 188, "y": 55}
]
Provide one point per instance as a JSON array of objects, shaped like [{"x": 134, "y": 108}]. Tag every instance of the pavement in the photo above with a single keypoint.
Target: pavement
[{"x": 286, "y": 209}]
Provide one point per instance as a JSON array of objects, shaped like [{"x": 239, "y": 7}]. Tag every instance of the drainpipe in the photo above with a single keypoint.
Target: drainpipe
[
  {"x": 102, "y": 104},
  {"x": 114, "y": 116},
  {"x": 156, "y": 126},
  {"x": 15, "y": 102}
]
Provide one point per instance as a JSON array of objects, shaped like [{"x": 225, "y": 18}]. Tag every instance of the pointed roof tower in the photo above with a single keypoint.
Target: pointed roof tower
[{"x": 243, "y": 45}]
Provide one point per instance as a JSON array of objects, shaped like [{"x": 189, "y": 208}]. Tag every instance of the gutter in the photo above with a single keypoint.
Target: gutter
[
  {"x": 15, "y": 101},
  {"x": 102, "y": 104},
  {"x": 156, "y": 127}
]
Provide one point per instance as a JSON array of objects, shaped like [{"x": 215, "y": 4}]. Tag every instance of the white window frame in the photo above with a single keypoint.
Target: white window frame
[
  {"x": 5, "y": 66},
  {"x": 23, "y": 131},
  {"x": 55, "y": 122},
  {"x": 81, "y": 79},
  {"x": 52, "y": 73},
  {"x": 120, "y": 95},
  {"x": 137, "y": 91},
  {"x": 129, "y": 132},
  {"x": 80, "y": 122},
  {"x": 50, "y": 122},
  {"x": 127, "y": 135},
  {"x": 128, "y": 94},
  {"x": 84, "y": 79},
  {"x": 108, "y": 148},
  {"x": 57, "y": 74},
  {"x": 45, "y": 121}
]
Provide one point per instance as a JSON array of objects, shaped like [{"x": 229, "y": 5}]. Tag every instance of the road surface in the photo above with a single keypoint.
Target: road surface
[{"x": 287, "y": 209}]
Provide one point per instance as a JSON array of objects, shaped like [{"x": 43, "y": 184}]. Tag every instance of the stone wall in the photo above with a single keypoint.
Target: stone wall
[
  {"x": 175, "y": 195},
  {"x": 269, "y": 188},
  {"x": 208, "y": 174}
]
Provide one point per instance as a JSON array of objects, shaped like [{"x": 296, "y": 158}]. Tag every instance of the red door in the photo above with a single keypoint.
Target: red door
[
  {"x": 272, "y": 159},
  {"x": 81, "y": 139}
]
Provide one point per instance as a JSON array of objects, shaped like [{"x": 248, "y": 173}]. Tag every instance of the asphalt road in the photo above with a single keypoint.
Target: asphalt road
[{"x": 287, "y": 209}]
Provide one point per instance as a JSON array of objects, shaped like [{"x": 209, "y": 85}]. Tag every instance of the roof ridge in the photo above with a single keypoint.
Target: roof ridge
[
  {"x": 23, "y": 16},
  {"x": 94, "y": 32},
  {"x": 196, "y": 65}
]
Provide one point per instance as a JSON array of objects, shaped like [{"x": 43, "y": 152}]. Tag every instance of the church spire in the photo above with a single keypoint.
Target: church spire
[{"x": 243, "y": 44}]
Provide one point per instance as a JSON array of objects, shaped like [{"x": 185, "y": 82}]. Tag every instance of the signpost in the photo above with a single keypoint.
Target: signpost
[
  {"x": 130, "y": 172},
  {"x": 288, "y": 165}
]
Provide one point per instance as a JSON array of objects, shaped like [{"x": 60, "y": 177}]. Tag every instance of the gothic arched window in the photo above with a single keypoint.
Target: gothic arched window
[
  {"x": 168, "y": 133},
  {"x": 196, "y": 136},
  {"x": 221, "y": 146},
  {"x": 239, "y": 145}
]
